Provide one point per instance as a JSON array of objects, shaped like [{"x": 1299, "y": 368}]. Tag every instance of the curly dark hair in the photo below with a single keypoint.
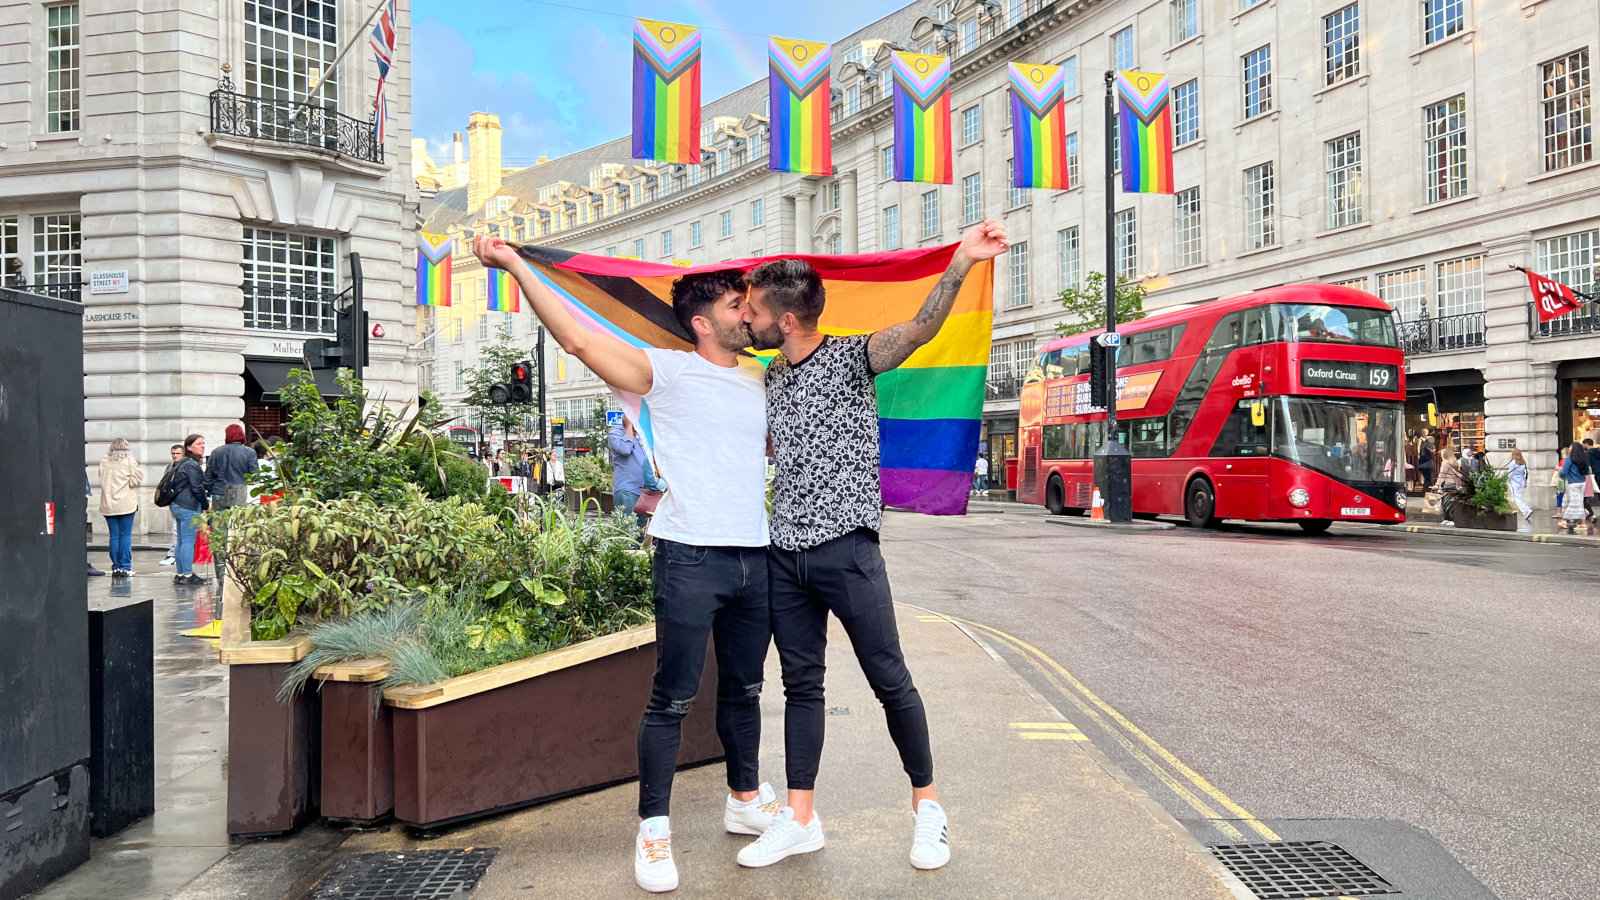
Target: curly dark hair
[
  {"x": 691, "y": 294},
  {"x": 792, "y": 286}
]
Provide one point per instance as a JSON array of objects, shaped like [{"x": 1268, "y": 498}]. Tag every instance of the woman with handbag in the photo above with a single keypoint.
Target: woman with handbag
[{"x": 1575, "y": 474}]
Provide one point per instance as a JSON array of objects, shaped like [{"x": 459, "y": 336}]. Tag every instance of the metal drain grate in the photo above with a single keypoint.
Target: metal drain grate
[
  {"x": 413, "y": 875},
  {"x": 1284, "y": 870}
]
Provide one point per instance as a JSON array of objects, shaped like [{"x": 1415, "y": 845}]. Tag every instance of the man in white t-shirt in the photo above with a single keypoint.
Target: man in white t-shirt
[{"x": 708, "y": 414}]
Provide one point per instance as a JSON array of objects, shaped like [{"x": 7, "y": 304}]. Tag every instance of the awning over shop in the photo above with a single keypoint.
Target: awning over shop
[{"x": 270, "y": 375}]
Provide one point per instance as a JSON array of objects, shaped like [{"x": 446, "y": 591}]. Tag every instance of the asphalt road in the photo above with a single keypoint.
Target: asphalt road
[{"x": 1375, "y": 678}]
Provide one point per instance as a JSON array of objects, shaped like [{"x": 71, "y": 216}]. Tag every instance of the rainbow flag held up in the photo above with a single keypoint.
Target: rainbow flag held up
[
  {"x": 1145, "y": 131},
  {"x": 1038, "y": 127},
  {"x": 433, "y": 269},
  {"x": 921, "y": 117},
  {"x": 928, "y": 409},
  {"x": 504, "y": 296},
  {"x": 798, "y": 98},
  {"x": 666, "y": 92}
]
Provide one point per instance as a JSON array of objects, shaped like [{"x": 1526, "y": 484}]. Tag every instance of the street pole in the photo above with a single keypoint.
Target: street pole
[
  {"x": 544, "y": 442},
  {"x": 1113, "y": 465}
]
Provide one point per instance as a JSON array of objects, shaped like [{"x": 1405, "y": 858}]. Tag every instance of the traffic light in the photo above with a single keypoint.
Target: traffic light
[
  {"x": 1100, "y": 373},
  {"x": 518, "y": 390},
  {"x": 522, "y": 382}
]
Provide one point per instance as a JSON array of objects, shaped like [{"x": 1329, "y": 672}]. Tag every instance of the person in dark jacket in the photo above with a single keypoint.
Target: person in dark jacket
[
  {"x": 225, "y": 484},
  {"x": 191, "y": 500}
]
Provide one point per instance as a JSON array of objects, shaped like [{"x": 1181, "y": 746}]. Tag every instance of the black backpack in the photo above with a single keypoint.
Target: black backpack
[{"x": 166, "y": 491}]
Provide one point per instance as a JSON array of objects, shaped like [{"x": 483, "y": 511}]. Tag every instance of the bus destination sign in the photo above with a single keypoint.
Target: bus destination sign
[{"x": 1355, "y": 376}]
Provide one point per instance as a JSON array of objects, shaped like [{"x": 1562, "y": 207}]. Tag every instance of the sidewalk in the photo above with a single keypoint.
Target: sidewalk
[{"x": 1029, "y": 817}]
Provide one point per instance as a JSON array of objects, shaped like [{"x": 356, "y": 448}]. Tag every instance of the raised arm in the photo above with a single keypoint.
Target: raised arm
[
  {"x": 891, "y": 346},
  {"x": 620, "y": 365}
]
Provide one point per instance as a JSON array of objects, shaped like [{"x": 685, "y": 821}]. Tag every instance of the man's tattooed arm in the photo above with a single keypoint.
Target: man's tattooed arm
[{"x": 890, "y": 347}]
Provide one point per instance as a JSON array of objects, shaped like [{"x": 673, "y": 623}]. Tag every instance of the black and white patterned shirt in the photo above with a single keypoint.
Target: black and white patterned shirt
[{"x": 822, "y": 414}]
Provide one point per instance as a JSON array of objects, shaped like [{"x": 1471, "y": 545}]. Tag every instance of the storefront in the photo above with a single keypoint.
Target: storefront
[
  {"x": 264, "y": 378},
  {"x": 1457, "y": 397},
  {"x": 1578, "y": 401},
  {"x": 998, "y": 443}
]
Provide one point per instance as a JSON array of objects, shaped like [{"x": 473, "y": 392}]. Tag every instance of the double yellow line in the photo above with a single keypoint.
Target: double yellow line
[{"x": 1190, "y": 786}]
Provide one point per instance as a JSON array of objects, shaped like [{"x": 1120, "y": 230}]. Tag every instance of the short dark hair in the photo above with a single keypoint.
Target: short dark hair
[
  {"x": 691, "y": 294},
  {"x": 177, "y": 447},
  {"x": 1588, "y": 442},
  {"x": 792, "y": 286}
]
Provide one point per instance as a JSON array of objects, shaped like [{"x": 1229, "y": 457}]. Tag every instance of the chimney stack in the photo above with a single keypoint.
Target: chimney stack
[{"x": 483, "y": 158}]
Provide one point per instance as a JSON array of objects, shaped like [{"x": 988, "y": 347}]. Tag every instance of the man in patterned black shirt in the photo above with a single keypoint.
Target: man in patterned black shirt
[{"x": 822, "y": 417}]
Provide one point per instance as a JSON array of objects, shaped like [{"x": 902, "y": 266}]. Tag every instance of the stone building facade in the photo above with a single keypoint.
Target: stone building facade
[
  {"x": 1415, "y": 153},
  {"x": 159, "y": 164}
]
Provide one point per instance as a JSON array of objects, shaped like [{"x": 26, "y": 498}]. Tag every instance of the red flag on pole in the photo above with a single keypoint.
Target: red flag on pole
[{"x": 1552, "y": 298}]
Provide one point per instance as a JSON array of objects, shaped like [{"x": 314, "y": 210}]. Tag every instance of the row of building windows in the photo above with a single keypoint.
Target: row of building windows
[{"x": 757, "y": 218}]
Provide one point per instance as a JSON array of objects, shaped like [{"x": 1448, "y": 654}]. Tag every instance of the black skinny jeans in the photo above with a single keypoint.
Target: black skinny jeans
[
  {"x": 847, "y": 577},
  {"x": 701, "y": 592}
]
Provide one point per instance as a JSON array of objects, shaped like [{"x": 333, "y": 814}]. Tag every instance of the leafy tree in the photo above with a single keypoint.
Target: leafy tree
[
  {"x": 495, "y": 368},
  {"x": 1086, "y": 304}
]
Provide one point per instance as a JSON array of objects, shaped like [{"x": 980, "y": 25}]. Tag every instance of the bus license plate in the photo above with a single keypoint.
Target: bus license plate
[{"x": 1355, "y": 510}]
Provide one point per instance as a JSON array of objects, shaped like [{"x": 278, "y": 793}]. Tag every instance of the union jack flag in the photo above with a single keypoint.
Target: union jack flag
[{"x": 383, "y": 38}]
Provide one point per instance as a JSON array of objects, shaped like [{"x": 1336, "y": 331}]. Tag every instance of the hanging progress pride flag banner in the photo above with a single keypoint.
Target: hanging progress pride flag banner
[
  {"x": 1038, "y": 127},
  {"x": 504, "y": 296},
  {"x": 1144, "y": 127},
  {"x": 928, "y": 409},
  {"x": 921, "y": 117},
  {"x": 433, "y": 269},
  {"x": 798, "y": 104},
  {"x": 666, "y": 92}
]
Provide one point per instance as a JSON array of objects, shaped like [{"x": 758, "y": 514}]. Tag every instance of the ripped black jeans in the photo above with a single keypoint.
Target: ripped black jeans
[{"x": 702, "y": 592}]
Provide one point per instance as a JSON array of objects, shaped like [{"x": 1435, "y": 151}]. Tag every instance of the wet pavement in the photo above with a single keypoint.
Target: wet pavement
[{"x": 157, "y": 856}]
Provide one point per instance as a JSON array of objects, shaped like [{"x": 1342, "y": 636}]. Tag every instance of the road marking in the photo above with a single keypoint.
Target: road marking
[
  {"x": 1045, "y": 726},
  {"x": 1048, "y": 731},
  {"x": 1094, "y": 706},
  {"x": 1052, "y": 736}
]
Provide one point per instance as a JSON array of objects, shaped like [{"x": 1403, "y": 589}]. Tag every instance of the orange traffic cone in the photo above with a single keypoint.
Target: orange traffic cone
[{"x": 1097, "y": 512}]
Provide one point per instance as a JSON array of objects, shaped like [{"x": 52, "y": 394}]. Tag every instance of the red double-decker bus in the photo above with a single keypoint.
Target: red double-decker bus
[{"x": 1284, "y": 405}]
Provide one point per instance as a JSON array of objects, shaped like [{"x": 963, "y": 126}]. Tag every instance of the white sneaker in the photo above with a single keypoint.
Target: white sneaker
[
  {"x": 783, "y": 838},
  {"x": 1447, "y": 524},
  {"x": 930, "y": 841},
  {"x": 751, "y": 816},
  {"x": 169, "y": 561},
  {"x": 653, "y": 868}
]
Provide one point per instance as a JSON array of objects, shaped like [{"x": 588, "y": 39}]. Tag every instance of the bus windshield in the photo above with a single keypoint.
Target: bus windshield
[
  {"x": 1350, "y": 441},
  {"x": 1334, "y": 324}
]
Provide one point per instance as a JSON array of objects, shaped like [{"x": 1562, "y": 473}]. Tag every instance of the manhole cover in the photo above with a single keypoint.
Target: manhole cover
[
  {"x": 413, "y": 875},
  {"x": 1283, "y": 870}
]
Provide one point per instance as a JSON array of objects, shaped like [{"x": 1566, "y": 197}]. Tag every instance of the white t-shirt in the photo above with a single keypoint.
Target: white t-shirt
[{"x": 710, "y": 428}]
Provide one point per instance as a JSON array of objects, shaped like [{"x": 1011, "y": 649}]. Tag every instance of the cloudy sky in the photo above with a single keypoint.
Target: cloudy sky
[{"x": 559, "y": 74}]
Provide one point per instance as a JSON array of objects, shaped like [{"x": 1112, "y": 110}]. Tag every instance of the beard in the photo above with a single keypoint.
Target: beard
[
  {"x": 734, "y": 338},
  {"x": 769, "y": 339}
]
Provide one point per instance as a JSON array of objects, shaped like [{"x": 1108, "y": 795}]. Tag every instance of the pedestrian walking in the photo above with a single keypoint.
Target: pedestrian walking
[
  {"x": 184, "y": 489},
  {"x": 822, "y": 414},
  {"x": 709, "y": 422},
  {"x": 1517, "y": 481},
  {"x": 226, "y": 473},
  {"x": 176, "y": 451},
  {"x": 120, "y": 478},
  {"x": 1426, "y": 462},
  {"x": 980, "y": 474},
  {"x": 1451, "y": 484},
  {"x": 1578, "y": 479},
  {"x": 629, "y": 467}
]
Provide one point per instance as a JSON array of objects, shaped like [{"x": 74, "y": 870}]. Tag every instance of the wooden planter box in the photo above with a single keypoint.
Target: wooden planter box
[
  {"x": 534, "y": 730},
  {"x": 272, "y": 747},
  {"x": 357, "y": 742},
  {"x": 575, "y": 499}
]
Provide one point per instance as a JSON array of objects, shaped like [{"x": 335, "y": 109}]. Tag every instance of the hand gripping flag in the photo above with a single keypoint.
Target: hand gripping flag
[
  {"x": 798, "y": 99},
  {"x": 928, "y": 409},
  {"x": 1551, "y": 298},
  {"x": 1038, "y": 127},
  {"x": 666, "y": 92},
  {"x": 921, "y": 117}
]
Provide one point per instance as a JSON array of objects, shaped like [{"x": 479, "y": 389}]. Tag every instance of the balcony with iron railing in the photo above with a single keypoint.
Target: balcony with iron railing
[
  {"x": 1585, "y": 321},
  {"x": 291, "y": 122},
  {"x": 57, "y": 287},
  {"x": 1003, "y": 387},
  {"x": 292, "y": 310},
  {"x": 1441, "y": 334}
]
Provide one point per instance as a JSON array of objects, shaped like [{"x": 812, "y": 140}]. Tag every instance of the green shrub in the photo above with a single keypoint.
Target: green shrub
[
  {"x": 589, "y": 472},
  {"x": 1489, "y": 491}
]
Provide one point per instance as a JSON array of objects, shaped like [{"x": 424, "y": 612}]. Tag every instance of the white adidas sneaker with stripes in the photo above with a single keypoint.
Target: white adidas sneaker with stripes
[{"x": 930, "y": 841}]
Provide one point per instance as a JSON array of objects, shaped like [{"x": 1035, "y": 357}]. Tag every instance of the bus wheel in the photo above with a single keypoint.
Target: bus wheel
[
  {"x": 1055, "y": 497},
  {"x": 1199, "y": 504},
  {"x": 1314, "y": 526}
]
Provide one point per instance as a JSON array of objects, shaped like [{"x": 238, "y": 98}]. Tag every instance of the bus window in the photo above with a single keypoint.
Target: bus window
[
  {"x": 1254, "y": 330},
  {"x": 1055, "y": 442},
  {"x": 1228, "y": 334},
  {"x": 1052, "y": 363},
  {"x": 1149, "y": 437},
  {"x": 1178, "y": 423},
  {"x": 1082, "y": 356},
  {"x": 1240, "y": 436}
]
